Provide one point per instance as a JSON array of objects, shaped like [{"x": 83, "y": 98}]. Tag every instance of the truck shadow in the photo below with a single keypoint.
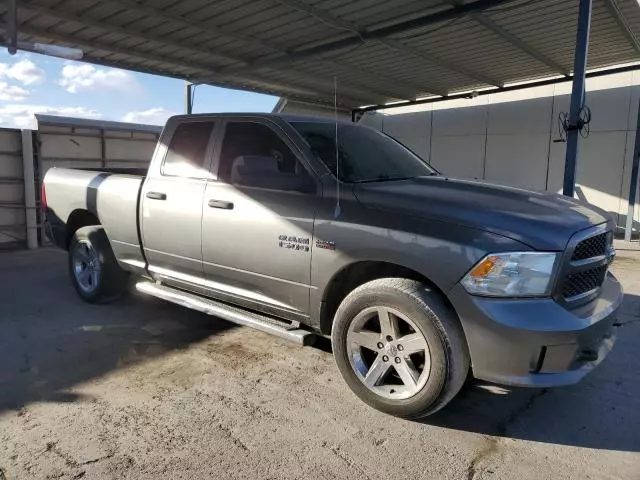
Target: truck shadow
[
  {"x": 601, "y": 412},
  {"x": 51, "y": 341}
]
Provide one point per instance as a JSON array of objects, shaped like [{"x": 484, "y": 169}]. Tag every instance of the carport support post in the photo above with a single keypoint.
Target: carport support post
[
  {"x": 633, "y": 187},
  {"x": 577, "y": 95},
  {"x": 29, "y": 189},
  {"x": 188, "y": 96},
  {"x": 12, "y": 27}
]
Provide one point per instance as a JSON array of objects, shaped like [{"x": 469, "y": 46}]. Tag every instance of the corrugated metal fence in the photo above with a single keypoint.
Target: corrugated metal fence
[
  {"x": 61, "y": 142},
  {"x": 12, "y": 199},
  {"x": 74, "y": 143}
]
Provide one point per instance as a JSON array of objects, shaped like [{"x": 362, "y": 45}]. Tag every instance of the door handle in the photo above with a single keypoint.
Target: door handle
[
  {"x": 157, "y": 195},
  {"x": 221, "y": 204}
]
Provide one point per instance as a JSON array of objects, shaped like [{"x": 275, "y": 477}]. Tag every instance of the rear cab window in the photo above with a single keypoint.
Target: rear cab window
[{"x": 187, "y": 150}]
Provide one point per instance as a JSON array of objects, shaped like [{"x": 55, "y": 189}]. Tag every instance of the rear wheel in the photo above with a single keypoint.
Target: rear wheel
[
  {"x": 93, "y": 268},
  {"x": 400, "y": 347}
]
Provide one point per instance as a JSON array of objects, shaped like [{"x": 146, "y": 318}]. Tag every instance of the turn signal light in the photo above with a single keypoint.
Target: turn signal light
[{"x": 484, "y": 267}]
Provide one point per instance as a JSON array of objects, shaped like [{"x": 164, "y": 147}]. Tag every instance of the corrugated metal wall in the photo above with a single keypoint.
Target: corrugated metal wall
[
  {"x": 64, "y": 142},
  {"x": 78, "y": 143},
  {"x": 512, "y": 138},
  {"x": 12, "y": 205},
  {"x": 90, "y": 144}
]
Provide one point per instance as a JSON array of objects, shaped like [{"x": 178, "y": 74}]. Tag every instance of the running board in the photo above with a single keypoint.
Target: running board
[{"x": 227, "y": 312}]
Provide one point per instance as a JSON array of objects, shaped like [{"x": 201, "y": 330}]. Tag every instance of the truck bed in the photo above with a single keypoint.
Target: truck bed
[{"x": 111, "y": 195}]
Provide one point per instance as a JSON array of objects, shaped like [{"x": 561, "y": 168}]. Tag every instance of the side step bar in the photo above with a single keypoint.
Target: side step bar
[{"x": 227, "y": 312}]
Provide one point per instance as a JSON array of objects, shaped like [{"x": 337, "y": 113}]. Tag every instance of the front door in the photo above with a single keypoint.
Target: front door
[{"x": 257, "y": 227}]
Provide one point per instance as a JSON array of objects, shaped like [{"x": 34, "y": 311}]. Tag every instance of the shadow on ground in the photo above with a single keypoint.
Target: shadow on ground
[
  {"x": 602, "y": 411},
  {"x": 50, "y": 340}
]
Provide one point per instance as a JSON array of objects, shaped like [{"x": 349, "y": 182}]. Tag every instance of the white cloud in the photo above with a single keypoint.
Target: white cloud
[
  {"x": 22, "y": 116},
  {"x": 154, "y": 116},
  {"x": 24, "y": 71},
  {"x": 76, "y": 77},
  {"x": 12, "y": 93}
]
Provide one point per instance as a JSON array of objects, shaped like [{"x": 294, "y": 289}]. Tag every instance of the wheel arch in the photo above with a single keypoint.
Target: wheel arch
[
  {"x": 77, "y": 219},
  {"x": 358, "y": 273}
]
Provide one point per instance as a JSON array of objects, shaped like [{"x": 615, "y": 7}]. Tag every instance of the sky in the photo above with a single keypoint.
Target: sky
[{"x": 32, "y": 83}]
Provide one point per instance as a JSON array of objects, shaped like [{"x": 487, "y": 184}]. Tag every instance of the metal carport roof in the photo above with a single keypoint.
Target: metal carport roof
[{"x": 380, "y": 50}]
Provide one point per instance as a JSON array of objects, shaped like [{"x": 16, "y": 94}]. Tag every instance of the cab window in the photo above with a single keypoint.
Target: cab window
[
  {"x": 253, "y": 155},
  {"x": 187, "y": 150}
]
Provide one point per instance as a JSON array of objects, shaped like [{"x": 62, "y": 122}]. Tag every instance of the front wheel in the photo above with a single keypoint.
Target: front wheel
[
  {"x": 399, "y": 347},
  {"x": 93, "y": 268}
]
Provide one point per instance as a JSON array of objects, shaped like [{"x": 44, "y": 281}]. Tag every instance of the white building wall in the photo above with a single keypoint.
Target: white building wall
[{"x": 509, "y": 138}]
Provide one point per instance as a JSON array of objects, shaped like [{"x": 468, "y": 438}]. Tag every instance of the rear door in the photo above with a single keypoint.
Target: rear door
[
  {"x": 172, "y": 199},
  {"x": 257, "y": 225}
]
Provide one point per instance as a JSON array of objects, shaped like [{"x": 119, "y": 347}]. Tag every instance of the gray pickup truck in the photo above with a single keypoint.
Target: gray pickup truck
[{"x": 420, "y": 280}]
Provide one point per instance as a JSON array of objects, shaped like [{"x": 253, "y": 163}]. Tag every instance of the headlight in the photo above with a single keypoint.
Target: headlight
[{"x": 512, "y": 274}]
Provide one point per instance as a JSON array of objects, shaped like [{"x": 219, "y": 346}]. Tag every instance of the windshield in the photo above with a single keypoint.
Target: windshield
[{"x": 365, "y": 155}]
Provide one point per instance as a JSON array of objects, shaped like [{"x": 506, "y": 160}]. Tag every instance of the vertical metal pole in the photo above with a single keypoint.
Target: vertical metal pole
[
  {"x": 633, "y": 187},
  {"x": 577, "y": 94},
  {"x": 188, "y": 96},
  {"x": 103, "y": 148},
  {"x": 29, "y": 189},
  {"x": 12, "y": 27},
  {"x": 353, "y": 116}
]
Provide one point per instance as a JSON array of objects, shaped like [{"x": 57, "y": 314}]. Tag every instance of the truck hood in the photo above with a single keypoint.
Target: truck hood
[{"x": 544, "y": 221}]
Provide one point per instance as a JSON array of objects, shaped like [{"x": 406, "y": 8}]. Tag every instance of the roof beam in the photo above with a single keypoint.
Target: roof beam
[
  {"x": 290, "y": 88},
  {"x": 489, "y": 24},
  {"x": 618, "y": 16},
  {"x": 381, "y": 35},
  {"x": 396, "y": 92},
  {"x": 376, "y": 84},
  {"x": 400, "y": 88}
]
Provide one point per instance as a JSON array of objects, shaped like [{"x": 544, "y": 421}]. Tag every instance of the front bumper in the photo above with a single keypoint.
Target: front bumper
[{"x": 537, "y": 342}]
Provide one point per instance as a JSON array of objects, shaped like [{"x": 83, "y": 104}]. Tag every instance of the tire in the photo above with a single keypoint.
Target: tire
[
  {"x": 424, "y": 322},
  {"x": 93, "y": 268}
]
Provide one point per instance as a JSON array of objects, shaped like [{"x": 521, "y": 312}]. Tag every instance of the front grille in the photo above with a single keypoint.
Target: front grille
[
  {"x": 584, "y": 267},
  {"x": 582, "y": 282},
  {"x": 591, "y": 247}
]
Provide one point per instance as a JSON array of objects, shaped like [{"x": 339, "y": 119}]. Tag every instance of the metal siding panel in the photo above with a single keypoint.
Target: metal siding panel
[
  {"x": 387, "y": 11},
  {"x": 519, "y": 159},
  {"x": 126, "y": 151},
  {"x": 12, "y": 213},
  {"x": 459, "y": 156}
]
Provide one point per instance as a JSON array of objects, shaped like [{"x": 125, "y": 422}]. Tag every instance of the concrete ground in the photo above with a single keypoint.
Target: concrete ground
[{"x": 141, "y": 389}]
